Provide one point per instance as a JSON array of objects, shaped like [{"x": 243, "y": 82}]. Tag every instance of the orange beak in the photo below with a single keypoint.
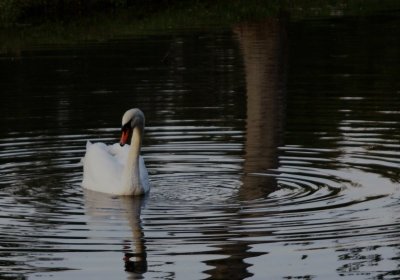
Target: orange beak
[{"x": 124, "y": 137}]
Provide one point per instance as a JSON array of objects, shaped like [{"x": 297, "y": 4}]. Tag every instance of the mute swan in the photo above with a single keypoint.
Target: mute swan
[{"x": 118, "y": 169}]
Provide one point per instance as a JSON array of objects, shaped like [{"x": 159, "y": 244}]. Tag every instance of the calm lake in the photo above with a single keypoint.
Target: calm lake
[{"x": 273, "y": 150}]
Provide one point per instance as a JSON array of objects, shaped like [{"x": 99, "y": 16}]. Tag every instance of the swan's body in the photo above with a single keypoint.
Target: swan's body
[{"x": 118, "y": 169}]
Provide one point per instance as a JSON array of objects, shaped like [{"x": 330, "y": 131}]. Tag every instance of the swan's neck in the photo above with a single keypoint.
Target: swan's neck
[{"x": 132, "y": 169}]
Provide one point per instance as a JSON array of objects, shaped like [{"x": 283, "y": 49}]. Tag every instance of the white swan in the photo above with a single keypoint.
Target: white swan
[{"x": 118, "y": 169}]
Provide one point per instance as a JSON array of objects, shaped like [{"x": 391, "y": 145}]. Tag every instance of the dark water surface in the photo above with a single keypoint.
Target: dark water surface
[{"x": 273, "y": 149}]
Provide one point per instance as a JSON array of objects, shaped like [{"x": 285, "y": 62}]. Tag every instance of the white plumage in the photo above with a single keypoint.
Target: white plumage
[{"x": 118, "y": 169}]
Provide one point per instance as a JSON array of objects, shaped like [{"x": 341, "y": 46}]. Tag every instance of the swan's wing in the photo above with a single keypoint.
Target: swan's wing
[{"x": 101, "y": 169}]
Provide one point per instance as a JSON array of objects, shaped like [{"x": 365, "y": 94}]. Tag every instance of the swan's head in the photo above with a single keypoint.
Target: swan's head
[{"x": 133, "y": 118}]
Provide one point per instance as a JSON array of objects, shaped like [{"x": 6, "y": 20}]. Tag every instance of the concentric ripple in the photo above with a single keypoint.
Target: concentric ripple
[{"x": 195, "y": 207}]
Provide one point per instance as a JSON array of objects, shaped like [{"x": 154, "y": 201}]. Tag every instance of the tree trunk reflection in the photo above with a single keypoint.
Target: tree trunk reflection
[
  {"x": 263, "y": 47},
  {"x": 264, "y": 56}
]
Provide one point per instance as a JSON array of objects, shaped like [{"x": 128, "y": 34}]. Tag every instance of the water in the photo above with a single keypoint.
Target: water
[{"x": 273, "y": 149}]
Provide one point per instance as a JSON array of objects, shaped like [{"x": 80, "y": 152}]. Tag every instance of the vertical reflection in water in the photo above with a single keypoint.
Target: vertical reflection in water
[
  {"x": 100, "y": 206},
  {"x": 263, "y": 47},
  {"x": 135, "y": 261}
]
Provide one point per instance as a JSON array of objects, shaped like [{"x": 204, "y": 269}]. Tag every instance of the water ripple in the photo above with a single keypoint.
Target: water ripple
[{"x": 194, "y": 206}]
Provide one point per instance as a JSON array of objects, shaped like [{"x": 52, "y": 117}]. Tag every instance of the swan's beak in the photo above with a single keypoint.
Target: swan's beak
[{"x": 124, "y": 137}]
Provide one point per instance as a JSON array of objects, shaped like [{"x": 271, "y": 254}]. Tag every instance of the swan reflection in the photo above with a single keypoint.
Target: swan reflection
[{"x": 106, "y": 210}]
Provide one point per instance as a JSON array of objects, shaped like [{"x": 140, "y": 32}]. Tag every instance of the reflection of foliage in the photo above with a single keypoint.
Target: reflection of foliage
[{"x": 352, "y": 105}]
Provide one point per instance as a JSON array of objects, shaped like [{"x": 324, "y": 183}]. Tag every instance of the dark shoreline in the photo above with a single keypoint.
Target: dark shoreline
[
  {"x": 37, "y": 12},
  {"x": 131, "y": 18}
]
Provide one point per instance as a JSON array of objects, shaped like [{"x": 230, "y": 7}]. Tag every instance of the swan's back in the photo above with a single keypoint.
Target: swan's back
[{"x": 103, "y": 168}]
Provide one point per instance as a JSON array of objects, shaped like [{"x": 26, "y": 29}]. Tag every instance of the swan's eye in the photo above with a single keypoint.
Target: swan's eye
[{"x": 126, "y": 127}]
